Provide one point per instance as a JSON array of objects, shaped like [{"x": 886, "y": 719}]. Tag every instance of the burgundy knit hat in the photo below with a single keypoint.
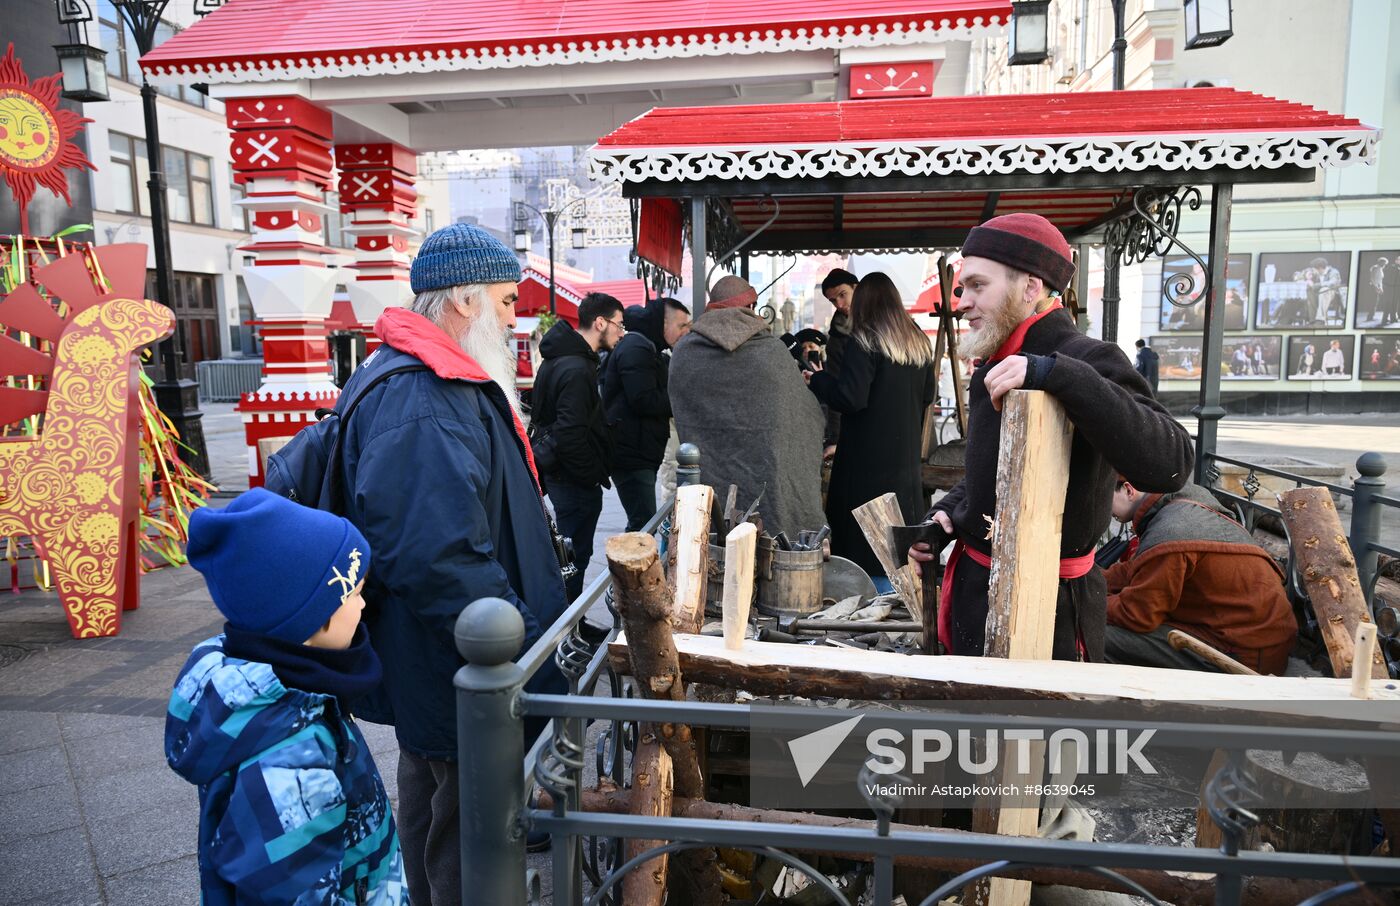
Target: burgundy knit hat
[{"x": 1027, "y": 242}]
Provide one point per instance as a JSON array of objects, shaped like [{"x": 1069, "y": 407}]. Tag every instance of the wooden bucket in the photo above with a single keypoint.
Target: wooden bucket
[{"x": 789, "y": 582}]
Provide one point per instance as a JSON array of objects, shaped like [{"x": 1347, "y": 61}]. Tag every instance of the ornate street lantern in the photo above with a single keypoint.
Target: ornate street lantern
[
  {"x": 1029, "y": 41},
  {"x": 84, "y": 69},
  {"x": 1207, "y": 23},
  {"x": 580, "y": 237}
]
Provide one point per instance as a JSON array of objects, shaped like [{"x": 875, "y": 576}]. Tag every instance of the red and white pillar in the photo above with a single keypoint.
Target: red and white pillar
[
  {"x": 377, "y": 193},
  {"x": 281, "y": 149}
]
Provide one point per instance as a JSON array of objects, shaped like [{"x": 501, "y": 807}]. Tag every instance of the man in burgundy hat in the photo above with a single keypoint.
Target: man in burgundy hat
[{"x": 1020, "y": 336}]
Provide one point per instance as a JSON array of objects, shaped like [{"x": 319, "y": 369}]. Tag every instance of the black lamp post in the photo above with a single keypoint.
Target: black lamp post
[
  {"x": 177, "y": 396},
  {"x": 579, "y": 234}
]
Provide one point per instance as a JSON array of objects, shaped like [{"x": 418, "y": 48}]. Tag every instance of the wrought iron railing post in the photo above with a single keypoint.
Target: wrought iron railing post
[
  {"x": 490, "y": 751},
  {"x": 687, "y": 465},
  {"x": 1366, "y": 519}
]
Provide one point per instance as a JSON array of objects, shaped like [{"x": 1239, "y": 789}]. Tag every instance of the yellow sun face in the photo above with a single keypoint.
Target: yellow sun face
[{"x": 28, "y": 132}]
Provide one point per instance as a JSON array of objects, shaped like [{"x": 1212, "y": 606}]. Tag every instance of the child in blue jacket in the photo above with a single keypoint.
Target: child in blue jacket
[{"x": 292, "y": 808}]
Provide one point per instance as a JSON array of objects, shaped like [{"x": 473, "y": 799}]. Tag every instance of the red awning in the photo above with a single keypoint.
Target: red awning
[
  {"x": 1178, "y": 129},
  {"x": 533, "y": 298},
  {"x": 263, "y": 40},
  {"x": 628, "y": 292}
]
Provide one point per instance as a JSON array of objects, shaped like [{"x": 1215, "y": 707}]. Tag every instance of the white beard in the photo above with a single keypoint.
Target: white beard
[{"x": 491, "y": 347}]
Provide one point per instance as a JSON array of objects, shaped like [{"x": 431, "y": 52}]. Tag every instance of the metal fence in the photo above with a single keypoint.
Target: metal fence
[
  {"x": 1364, "y": 535},
  {"x": 499, "y": 779},
  {"x": 226, "y": 380}
]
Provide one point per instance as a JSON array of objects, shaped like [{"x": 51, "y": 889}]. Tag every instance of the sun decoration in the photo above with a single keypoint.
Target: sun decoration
[{"x": 35, "y": 136}]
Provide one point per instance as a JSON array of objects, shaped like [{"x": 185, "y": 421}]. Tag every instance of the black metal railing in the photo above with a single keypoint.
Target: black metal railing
[{"x": 499, "y": 808}]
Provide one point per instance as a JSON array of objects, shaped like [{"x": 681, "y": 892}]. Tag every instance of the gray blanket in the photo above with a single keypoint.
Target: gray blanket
[{"x": 737, "y": 395}]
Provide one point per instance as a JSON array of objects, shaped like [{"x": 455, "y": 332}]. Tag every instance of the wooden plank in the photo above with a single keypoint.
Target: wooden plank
[
  {"x": 1033, "y": 474},
  {"x": 772, "y": 668},
  {"x": 1365, "y": 655},
  {"x": 739, "y": 549},
  {"x": 652, "y": 795},
  {"x": 876, "y": 518},
  {"x": 692, "y": 519},
  {"x": 1328, "y": 569}
]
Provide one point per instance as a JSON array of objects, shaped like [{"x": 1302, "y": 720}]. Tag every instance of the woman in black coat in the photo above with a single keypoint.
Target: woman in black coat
[{"x": 885, "y": 386}]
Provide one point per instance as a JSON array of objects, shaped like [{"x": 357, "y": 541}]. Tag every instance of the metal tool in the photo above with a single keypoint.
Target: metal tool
[
  {"x": 797, "y": 624},
  {"x": 842, "y": 578}
]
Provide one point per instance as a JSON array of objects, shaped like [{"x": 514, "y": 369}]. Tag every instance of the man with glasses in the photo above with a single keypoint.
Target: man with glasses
[{"x": 568, "y": 431}]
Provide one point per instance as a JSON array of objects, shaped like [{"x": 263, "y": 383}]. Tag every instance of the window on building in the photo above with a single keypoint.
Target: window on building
[
  {"x": 240, "y": 213},
  {"x": 196, "y": 311},
  {"x": 122, "y": 53},
  {"x": 428, "y": 221},
  {"x": 130, "y": 173},
  {"x": 201, "y": 190},
  {"x": 333, "y": 224}
]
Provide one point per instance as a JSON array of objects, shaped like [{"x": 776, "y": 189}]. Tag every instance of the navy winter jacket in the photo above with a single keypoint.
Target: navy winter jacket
[
  {"x": 635, "y": 393},
  {"x": 440, "y": 481}
]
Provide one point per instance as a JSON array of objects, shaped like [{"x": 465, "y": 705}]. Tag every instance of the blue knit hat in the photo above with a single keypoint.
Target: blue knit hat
[
  {"x": 460, "y": 254},
  {"x": 275, "y": 567}
]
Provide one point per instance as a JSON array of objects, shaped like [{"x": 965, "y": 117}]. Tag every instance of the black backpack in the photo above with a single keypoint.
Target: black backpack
[{"x": 307, "y": 469}]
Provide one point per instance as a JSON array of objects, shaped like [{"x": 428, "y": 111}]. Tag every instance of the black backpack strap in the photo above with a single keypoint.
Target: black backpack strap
[{"x": 333, "y": 461}]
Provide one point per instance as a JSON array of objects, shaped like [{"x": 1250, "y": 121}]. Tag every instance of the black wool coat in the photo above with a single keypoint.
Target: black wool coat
[
  {"x": 882, "y": 408},
  {"x": 567, "y": 405},
  {"x": 1118, "y": 428}
]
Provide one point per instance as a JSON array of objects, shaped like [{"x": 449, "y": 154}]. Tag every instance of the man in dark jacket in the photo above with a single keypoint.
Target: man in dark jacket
[
  {"x": 571, "y": 439},
  {"x": 1195, "y": 569},
  {"x": 637, "y": 404},
  {"x": 839, "y": 288},
  {"x": 1014, "y": 268},
  {"x": 737, "y": 397},
  {"x": 1146, "y": 365},
  {"x": 440, "y": 480}
]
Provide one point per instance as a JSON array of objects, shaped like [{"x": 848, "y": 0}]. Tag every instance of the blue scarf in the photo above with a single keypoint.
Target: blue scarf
[{"x": 346, "y": 673}]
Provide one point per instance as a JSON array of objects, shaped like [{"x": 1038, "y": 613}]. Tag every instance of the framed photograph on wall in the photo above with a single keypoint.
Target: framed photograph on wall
[
  {"x": 1180, "y": 357},
  {"x": 1251, "y": 358},
  {"x": 1318, "y": 357},
  {"x": 1380, "y": 357},
  {"x": 1192, "y": 317},
  {"x": 1302, "y": 289},
  {"x": 1378, "y": 291}
]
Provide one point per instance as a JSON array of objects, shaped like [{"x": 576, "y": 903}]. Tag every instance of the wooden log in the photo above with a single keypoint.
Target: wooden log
[
  {"x": 1361, "y": 664},
  {"x": 775, "y": 668},
  {"x": 651, "y": 796},
  {"x": 739, "y": 549},
  {"x": 1182, "y": 888},
  {"x": 876, "y": 518},
  {"x": 692, "y": 519},
  {"x": 1210, "y": 654},
  {"x": 645, "y": 602},
  {"x": 1328, "y": 568},
  {"x": 1032, "y": 476}
]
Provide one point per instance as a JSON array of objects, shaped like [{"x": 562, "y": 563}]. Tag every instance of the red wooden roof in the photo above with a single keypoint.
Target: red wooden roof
[
  {"x": 265, "y": 39},
  {"x": 628, "y": 292},
  {"x": 1183, "y": 111}
]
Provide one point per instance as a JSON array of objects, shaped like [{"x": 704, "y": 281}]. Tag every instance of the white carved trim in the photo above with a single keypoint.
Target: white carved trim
[
  {"x": 937, "y": 157},
  {"x": 677, "y": 46}
]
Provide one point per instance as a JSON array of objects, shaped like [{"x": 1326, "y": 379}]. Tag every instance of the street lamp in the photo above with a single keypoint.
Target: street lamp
[
  {"x": 550, "y": 216},
  {"x": 1208, "y": 23},
  {"x": 178, "y": 398},
  {"x": 1029, "y": 41},
  {"x": 84, "y": 67}
]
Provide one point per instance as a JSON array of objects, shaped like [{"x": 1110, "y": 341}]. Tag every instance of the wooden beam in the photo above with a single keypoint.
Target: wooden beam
[
  {"x": 692, "y": 519},
  {"x": 1328, "y": 569},
  {"x": 876, "y": 518},
  {"x": 1032, "y": 476},
  {"x": 1365, "y": 655},
  {"x": 773, "y": 668},
  {"x": 739, "y": 549},
  {"x": 652, "y": 794}
]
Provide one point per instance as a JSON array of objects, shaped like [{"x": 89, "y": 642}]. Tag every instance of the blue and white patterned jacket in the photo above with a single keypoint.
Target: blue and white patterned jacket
[{"x": 291, "y": 807}]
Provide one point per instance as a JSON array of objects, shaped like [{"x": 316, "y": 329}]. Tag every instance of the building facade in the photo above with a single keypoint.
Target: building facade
[{"x": 1312, "y": 308}]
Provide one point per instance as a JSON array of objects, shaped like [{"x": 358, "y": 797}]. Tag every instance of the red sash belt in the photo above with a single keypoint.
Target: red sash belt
[{"x": 1070, "y": 568}]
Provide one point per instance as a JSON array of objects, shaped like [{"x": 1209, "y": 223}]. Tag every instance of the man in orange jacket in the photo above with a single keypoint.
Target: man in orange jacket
[{"x": 1195, "y": 569}]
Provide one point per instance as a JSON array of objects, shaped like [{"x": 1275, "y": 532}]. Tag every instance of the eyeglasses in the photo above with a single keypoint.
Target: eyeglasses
[{"x": 618, "y": 324}]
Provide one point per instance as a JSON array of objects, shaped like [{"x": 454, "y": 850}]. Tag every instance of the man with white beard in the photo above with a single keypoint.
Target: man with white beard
[
  {"x": 1019, "y": 335},
  {"x": 440, "y": 480}
]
